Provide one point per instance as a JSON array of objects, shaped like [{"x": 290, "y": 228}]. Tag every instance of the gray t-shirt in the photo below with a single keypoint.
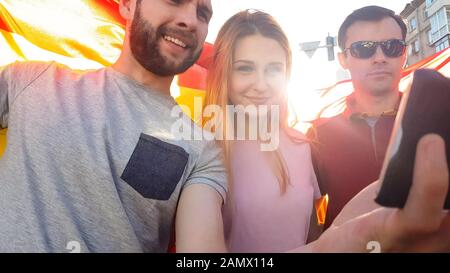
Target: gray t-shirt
[{"x": 91, "y": 159}]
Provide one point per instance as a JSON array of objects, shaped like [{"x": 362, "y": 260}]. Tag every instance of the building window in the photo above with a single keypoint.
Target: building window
[
  {"x": 412, "y": 24},
  {"x": 448, "y": 16},
  {"x": 410, "y": 49},
  {"x": 416, "y": 46},
  {"x": 439, "y": 24},
  {"x": 430, "y": 39},
  {"x": 442, "y": 45},
  {"x": 429, "y": 3}
]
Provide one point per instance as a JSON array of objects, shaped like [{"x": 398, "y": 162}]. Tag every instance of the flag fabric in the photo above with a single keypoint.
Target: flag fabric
[
  {"x": 83, "y": 34},
  {"x": 321, "y": 206}
]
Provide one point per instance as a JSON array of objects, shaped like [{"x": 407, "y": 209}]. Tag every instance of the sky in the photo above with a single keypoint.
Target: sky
[{"x": 303, "y": 21}]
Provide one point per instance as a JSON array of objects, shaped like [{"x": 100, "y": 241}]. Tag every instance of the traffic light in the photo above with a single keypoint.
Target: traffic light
[{"x": 330, "y": 47}]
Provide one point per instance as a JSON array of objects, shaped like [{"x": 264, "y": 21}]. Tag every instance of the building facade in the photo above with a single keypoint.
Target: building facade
[{"x": 428, "y": 28}]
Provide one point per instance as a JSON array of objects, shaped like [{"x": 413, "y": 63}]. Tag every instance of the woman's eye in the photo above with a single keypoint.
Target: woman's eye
[
  {"x": 244, "y": 68},
  {"x": 275, "y": 70}
]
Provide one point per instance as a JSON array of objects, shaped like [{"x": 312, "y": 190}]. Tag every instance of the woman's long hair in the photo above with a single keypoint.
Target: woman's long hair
[{"x": 243, "y": 24}]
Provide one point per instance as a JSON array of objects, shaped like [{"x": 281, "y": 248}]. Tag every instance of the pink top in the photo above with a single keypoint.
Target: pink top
[{"x": 264, "y": 220}]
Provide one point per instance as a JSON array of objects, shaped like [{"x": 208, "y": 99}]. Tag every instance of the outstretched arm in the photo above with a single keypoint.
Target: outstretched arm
[{"x": 199, "y": 225}]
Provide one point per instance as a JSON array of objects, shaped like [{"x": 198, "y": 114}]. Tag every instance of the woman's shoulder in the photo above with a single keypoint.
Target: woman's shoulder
[
  {"x": 294, "y": 143},
  {"x": 296, "y": 137}
]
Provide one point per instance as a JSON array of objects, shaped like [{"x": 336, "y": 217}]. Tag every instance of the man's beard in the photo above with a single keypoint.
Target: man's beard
[{"x": 145, "y": 48}]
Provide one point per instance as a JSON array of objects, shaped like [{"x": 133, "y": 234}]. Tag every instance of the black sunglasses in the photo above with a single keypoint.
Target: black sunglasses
[{"x": 365, "y": 49}]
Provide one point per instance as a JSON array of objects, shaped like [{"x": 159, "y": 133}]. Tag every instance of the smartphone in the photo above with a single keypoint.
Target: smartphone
[{"x": 424, "y": 109}]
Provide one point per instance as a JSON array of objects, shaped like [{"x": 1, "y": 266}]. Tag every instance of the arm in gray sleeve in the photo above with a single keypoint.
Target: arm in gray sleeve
[
  {"x": 15, "y": 78},
  {"x": 210, "y": 169}
]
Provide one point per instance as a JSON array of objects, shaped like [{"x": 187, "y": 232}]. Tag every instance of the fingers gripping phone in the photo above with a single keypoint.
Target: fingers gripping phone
[{"x": 425, "y": 108}]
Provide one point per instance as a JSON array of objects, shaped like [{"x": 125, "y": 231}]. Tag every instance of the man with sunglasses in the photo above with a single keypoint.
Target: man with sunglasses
[{"x": 351, "y": 146}]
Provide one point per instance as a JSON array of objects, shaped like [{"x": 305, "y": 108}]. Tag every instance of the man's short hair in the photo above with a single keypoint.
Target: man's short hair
[{"x": 371, "y": 14}]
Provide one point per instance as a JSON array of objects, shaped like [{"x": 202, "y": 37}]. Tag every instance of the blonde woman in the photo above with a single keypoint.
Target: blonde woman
[{"x": 271, "y": 192}]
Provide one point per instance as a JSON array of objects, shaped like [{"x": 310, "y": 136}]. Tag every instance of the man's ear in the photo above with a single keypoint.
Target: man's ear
[
  {"x": 343, "y": 60},
  {"x": 126, "y": 9}
]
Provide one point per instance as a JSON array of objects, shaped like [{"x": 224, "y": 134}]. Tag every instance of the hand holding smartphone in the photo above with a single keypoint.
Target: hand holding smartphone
[{"x": 425, "y": 109}]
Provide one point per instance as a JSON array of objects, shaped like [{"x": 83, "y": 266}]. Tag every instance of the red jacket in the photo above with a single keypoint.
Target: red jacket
[{"x": 348, "y": 154}]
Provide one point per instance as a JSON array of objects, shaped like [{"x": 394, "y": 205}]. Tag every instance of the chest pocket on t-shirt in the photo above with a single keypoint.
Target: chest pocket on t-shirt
[{"x": 155, "y": 168}]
